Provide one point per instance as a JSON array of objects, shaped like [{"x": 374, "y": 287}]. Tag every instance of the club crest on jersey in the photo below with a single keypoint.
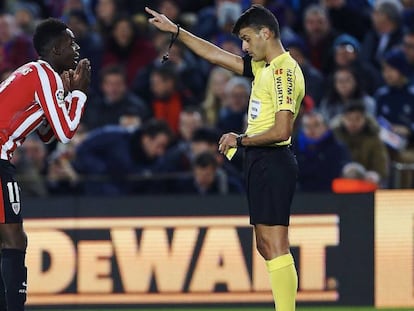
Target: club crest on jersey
[
  {"x": 60, "y": 96},
  {"x": 16, "y": 208}
]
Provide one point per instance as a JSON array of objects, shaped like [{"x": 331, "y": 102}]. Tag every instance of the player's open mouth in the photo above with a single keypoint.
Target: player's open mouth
[{"x": 76, "y": 60}]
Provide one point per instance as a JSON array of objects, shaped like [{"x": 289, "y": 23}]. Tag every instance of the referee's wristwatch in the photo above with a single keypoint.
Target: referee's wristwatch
[{"x": 239, "y": 140}]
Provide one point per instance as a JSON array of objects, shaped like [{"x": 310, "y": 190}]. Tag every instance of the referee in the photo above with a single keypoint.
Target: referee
[{"x": 270, "y": 166}]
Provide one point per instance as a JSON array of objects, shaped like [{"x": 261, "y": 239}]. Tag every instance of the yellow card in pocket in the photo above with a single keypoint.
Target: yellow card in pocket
[{"x": 230, "y": 153}]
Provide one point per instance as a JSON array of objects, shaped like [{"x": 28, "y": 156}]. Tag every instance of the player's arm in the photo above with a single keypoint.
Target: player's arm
[
  {"x": 201, "y": 47},
  {"x": 63, "y": 114},
  {"x": 45, "y": 132}
]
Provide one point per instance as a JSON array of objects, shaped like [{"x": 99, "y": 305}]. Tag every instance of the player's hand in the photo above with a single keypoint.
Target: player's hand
[
  {"x": 227, "y": 141},
  {"x": 161, "y": 21},
  {"x": 81, "y": 77},
  {"x": 67, "y": 77}
]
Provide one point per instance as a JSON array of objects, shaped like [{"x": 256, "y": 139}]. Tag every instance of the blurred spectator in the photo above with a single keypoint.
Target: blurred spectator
[
  {"x": 386, "y": 33},
  {"x": 115, "y": 161},
  {"x": 345, "y": 88},
  {"x": 180, "y": 157},
  {"x": 215, "y": 95},
  {"x": 306, "y": 106},
  {"x": 340, "y": 12},
  {"x": 282, "y": 11},
  {"x": 168, "y": 99},
  {"x": 172, "y": 9},
  {"x": 190, "y": 120},
  {"x": 36, "y": 153},
  {"x": 359, "y": 132},
  {"x": 408, "y": 13},
  {"x": 320, "y": 156},
  {"x": 31, "y": 181},
  {"x": 130, "y": 118},
  {"x": 5, "y": 72},
  {"x": 395, "y": 100},
  {"x": 232, "y": 115},
  {"x": 346, "y": 51},
  {"x": 16, "y": 48},
  {"x": 187, "y": 66},
  {"x": 26, "y": 15},
  {"x": 314, "y": 80},
  {"x": 207, "y": 178},
  {"x": 355, "y": 179},
  {"x": 115, "y": 100},
  {"x": 319, "y": 37},
  {"x": 215, "y": 22},
  {"x": 89, "y": 40},
  {"x": 395, "y": 105},
  {"x": 106, "y": 12},
  {"x": 204, "y": 139},
  {"x": 62, "y": 178},
  {"x": 127, "y": 48},
  {"x": 408, "y": 49}
]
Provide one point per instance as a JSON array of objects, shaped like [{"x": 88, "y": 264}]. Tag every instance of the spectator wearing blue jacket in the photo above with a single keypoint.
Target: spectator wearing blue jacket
[
  {"x": 320, "y": 156},
  {"x": 115, "y": 161}
]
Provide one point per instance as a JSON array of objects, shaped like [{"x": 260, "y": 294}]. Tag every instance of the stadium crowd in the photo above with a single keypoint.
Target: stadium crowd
[{"x": 152, "y": 127}]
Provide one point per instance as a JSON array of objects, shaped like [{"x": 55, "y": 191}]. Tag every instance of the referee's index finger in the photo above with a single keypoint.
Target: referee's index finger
[{"x": 152, "y": 12}]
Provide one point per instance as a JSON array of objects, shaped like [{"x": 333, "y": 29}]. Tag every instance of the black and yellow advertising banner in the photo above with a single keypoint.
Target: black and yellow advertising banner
[{"x": 201, "y": 250}]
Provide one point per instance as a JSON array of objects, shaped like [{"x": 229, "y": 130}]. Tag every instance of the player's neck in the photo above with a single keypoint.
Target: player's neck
[
  {"x": 52, "y": 64},
  {"x": 275, "y": 49}
]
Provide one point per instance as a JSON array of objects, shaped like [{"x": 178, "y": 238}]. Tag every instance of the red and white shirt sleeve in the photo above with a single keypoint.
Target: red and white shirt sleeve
[{"x": 62, "y": 113}]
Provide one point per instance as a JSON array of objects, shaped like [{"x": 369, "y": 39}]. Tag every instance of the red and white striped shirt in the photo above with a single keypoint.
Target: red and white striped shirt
[{"x": 33, "y": 99}]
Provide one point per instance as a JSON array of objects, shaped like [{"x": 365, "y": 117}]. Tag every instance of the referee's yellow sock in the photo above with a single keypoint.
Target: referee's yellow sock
[{"x": 284, "y": 281}]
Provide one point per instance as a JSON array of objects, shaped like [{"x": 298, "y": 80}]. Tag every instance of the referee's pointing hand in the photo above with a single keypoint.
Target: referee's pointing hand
[{"x": 161, "y": 21}]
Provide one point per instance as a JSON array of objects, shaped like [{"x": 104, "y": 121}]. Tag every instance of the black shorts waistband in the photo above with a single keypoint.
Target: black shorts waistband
[{"x": 267, "y": 148}]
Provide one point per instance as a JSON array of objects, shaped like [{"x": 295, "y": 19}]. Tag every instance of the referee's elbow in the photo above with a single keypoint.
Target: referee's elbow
[{"x": 282, "y": 136}]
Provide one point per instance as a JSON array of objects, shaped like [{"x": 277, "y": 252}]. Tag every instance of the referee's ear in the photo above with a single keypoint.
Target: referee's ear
[{"x": 265, "y": 33}]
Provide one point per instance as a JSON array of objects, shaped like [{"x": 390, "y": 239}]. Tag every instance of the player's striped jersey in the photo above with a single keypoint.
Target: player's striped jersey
[{"x": 33, "y": 99}]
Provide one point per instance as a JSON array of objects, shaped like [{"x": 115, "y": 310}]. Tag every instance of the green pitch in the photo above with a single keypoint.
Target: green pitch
[{"x": 242, "y": 309}]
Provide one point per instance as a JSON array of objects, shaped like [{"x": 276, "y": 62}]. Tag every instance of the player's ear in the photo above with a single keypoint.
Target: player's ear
[
  {"x": 265, "y": 33},
  {"x": 56, "y": 50}
]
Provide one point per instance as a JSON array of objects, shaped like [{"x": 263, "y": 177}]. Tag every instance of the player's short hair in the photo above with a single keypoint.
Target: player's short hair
[
  {"x": 154, "y": 127},
  {"x": 257, "y": 17},
  {"x": 355, "y": 106},
  {"x": 46, "y": 33},
  {"x": 206, "y": 134},
  {"x": 205, "y": 159},
  {"x": 113, "y": 70}
]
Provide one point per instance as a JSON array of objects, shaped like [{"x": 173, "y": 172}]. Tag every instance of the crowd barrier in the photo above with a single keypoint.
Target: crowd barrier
[{"x": 349, "y": 250}]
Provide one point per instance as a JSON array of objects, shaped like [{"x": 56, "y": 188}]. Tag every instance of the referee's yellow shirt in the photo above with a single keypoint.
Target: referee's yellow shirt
[{"x": 277, "y": 86}]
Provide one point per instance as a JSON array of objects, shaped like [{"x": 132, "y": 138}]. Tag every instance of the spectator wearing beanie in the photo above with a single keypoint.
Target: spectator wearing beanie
[{"x": 346, "y": 52}]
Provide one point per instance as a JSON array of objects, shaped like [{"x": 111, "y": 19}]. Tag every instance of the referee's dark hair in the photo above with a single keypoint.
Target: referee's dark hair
[
  {"x": 257, "y": 17},
  {"x": 46, "y": 33}
]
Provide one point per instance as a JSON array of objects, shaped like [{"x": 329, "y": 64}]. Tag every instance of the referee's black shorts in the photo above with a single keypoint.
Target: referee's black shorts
[
  {"x": 10, "y": 205},
  {"x": 271, "y": 174}
]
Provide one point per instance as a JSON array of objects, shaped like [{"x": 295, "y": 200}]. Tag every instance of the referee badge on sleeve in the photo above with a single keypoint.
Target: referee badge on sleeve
[{"x": 255, "y": 108}]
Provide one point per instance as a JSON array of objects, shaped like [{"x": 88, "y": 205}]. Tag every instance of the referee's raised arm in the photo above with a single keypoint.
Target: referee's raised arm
[{"x": 201, "y": 47}]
